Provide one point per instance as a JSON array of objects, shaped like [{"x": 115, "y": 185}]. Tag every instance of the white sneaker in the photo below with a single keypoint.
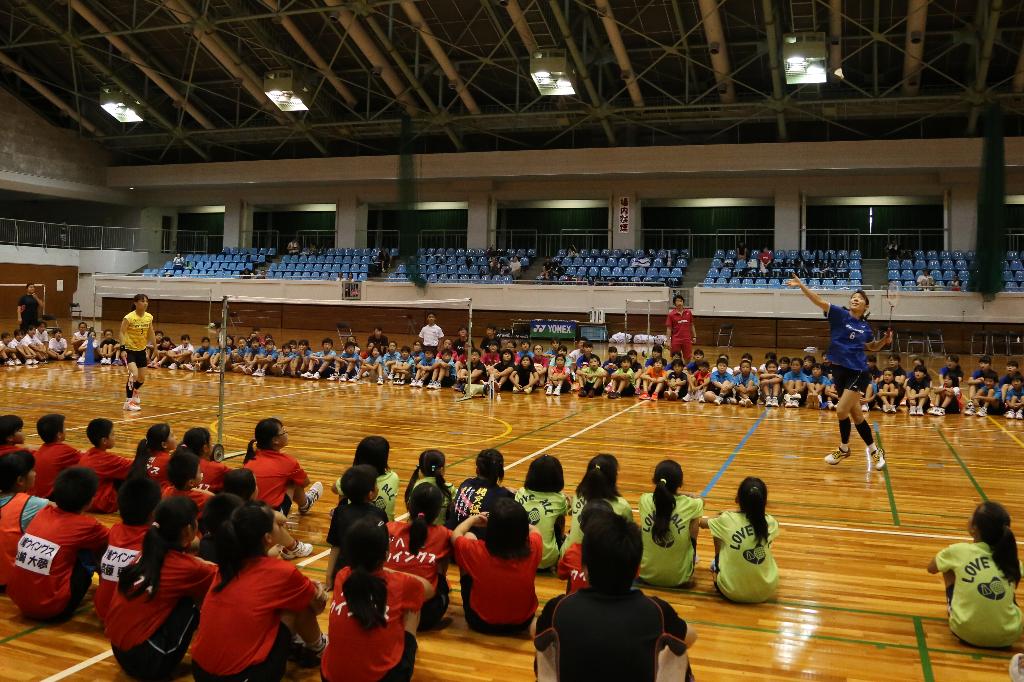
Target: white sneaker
[
  {"x": 516, "y": 389},
  {"x": 548, "y": 389},
  {"x": 81, "y": 361},
  {"x": 982, "y": 411},
  {"x": 312, "y": 495},
  {"x": 190, "y": 367},
  {"x": 836, "y": 456},
  {"x": 333, "y": 377},
  {"x": 307, "y": 375},
  {"x": 131, "y": 406},
  {"x": 380, "y": 381},
  {"x": 686, "y": 398},
  {"x": 316, "y": 376},
  {"x": 863, "y": 408},
  {"x": 558, "y": 390},
  {"x": 718, "y": 400},
  {"x": 301, "y": 549},
  {"x": 173, "y": 365},
  {"x": 877, "y": 457}
]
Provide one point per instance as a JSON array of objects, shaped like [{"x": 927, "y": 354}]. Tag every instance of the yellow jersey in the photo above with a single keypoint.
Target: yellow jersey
[{"x": 137, "y": 335}]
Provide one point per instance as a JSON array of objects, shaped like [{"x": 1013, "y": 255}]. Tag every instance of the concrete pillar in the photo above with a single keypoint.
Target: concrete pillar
[
  {"x": 150, "y": 223},
  {"x": 350, "y": 226},
  {"x": 624, "y": 229},
  {"x": 237, "y": 223},
  {"x": 962, "y": 217},
  {"x": 482, "y": 221},
  {"x": 788, "y": 218}
]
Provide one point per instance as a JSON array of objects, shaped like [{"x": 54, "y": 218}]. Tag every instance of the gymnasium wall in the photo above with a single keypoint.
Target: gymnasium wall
[{"x": 58, "y": 303}]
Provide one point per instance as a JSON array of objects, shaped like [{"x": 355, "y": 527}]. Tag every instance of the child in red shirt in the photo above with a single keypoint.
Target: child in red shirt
[
  {"x": 372, "y": 635},
  {"x": 570, "y": 566},
  {"x": 498, "y": 594},
  {"x": 184, "y": 478},
  {"x": 110, "y": 468},
  {"x": 54, "y": 456},
  {"x": 255, "y": 605},
  {"x": 199, "y": 442},
  {"x": 421, "y": 548},
  {"x": 17, "y": 506},
  {"x": 11, "y": 437},
  {"x": 156, "y": 449},
  {"x": 136, "y": 500},
  {"x": 55, "y": 557},
  {"x": 154, "y": 612},
  {"x": 279, "y": 477}
]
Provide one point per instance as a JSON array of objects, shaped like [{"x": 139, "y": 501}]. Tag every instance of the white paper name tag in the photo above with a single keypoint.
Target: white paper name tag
[
  {"x": 115, "y": 559},
  {"x": 35, "y": 554}
]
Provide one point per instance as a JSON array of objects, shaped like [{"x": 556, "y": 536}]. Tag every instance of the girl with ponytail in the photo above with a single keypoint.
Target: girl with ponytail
[
  {"x": 599, "y": 483},
  {"x": 280, "y": 479},
  {"x": 981, "y": 578},
  {"x": 198, "y": 441},
  {"x": 374, "y": 451},
  {"x": 257, "y": 602},
  {"x": 358, "y": 487},
  {"x": 744, "y": 567},
  {"x": 547, "y": 505},
  {"x": 670, "y": 521},
  {"x": 422, "y": 548},
  {"x": 375, "y": 613},
  {"x": 155, "y": 609},
  {"x": 479, "y": 494},
  {"x": 431, "y": 467},
  {"x": 155, "y": 449}
]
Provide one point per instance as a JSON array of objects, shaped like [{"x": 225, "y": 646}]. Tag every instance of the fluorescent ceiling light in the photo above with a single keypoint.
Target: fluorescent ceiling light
[
  {"x": 806, "y": 58},
  {"x": 287, "y": 101},
  {"x": 285, "y": 90},
  {"x": 114, "y": 102},
  {"x": 551, "y": 72}
]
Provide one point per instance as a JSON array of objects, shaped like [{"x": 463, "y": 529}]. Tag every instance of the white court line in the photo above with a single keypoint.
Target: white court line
[
  {"x": 316, "y": 557},
  {"x": 876, "y": 531}
]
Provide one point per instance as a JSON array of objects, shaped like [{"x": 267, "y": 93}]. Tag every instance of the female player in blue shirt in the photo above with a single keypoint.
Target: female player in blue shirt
[{"x": 851, "y": 336}]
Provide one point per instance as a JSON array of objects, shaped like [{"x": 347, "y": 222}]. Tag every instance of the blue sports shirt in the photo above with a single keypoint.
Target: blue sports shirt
[{"x": 848, "y": 336}]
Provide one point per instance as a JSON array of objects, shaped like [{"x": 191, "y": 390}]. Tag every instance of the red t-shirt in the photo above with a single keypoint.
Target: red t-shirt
[
  {"x": 131, "y": 622},
  {"x": 123, "y": 548},
  {"x": 109, "y": 467},
  {"x": 680, "y": 324},
  {"x": 51, "y": 459},
  {"x": 200, "y": 497},
  {"x": 4, "y": 449},
  {"x": 157, "y": 466},
  {"x": 503, "y": 589},
  {"x": 425, "y": 563},
  {"x": 274, "y": 471},
  {"x": 570, "y": 568},
  {"x": 765, "y": 257},
  {"x": 213, "y": 475},
  {"x": 40, "y": 584},
  {"x": 346, "y": 659},
  {"x": 247, "y": 614}
]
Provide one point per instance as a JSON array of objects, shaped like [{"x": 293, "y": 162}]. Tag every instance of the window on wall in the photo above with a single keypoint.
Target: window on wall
[{"x": 550, "y": 229}]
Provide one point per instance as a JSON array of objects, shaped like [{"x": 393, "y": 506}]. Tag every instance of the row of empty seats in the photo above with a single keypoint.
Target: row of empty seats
[{"x": 269, "y": 252}]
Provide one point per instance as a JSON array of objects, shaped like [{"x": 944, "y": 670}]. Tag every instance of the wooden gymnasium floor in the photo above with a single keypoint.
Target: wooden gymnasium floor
[{"x": 855, "y": 602}]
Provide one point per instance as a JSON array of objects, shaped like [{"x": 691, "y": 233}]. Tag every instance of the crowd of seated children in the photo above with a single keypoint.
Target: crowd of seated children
[
  {"x": 157, "y": 600},
  {"x": 35, "y": 346}
]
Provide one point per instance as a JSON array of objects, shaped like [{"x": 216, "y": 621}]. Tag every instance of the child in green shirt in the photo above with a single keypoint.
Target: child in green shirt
[
  {"x": 599, "y": 483},
  {"x": 592, "y": 378},
  {"x": 744, "y": 567},
  {"x": 981, "y": 577},
  {"x": 544, "y": 501},
  {"x": 622, "y": 381},
  {"x": 431, "y": 467},
  {"x": 669, "y": 523},
  {"x": 373, "y": 451}
]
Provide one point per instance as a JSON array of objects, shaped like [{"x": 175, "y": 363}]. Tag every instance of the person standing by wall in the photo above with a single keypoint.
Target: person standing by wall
[{"x": 30, "y": 307}]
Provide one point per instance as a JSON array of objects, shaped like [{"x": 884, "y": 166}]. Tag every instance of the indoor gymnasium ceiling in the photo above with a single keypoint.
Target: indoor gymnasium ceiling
[{"x": 647, "y": 72}]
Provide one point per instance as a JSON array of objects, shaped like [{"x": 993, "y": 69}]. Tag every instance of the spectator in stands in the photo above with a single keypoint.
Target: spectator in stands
[
  {"x": 294, "y": 247},
  {"x": 925, "y": 280},
  {"x": 766, "y": 259},
  {"x": 742, "y": 253},
  {"x": 956, "y": 284},
  {"x": 493, "y": 266},
  {"x": 893, "y": 248},
  {"x": 515, "y": 267},
  {"x": 178, "y": 262}
]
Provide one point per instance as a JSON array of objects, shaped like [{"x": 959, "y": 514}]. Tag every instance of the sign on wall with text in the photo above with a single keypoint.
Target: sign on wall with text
[{"x": 624, "y": 211}]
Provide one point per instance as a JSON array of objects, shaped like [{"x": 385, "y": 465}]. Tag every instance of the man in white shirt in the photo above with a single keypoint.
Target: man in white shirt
[
  {"x": 925, "y": 280},
  {"x": 182, "y": 353},
  {"x": 58, "y": 347},
  {"x": 431, "y": 334}
]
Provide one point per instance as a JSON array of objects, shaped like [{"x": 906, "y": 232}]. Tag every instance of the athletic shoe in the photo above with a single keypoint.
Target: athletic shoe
[
  {"x": 1017, "y": 668},
  {"x": 316, "y": 376},
  {"x": 312, "y": 495},
  {"x": 189, "y": 366},
  {"x": 558, "y": 390},
  {"x": 863, "y": 408},
  {"x": 1020, "y": 414},
  {"x": 730, "y": 400},
  {"x": 333, "y": 377},
  {"x": 173, "y": 365},
  {"x": 380, "y": 381},
  {"x": 436, "y": 385},
  {"x": 746, "y": 402},
  {"x": 933, "y": 410},
  {"x": 528, "y": 390},
  {"x": 131, "y": 406},
  {"x": 686, "y": 398},
  {"x": 718, "y": 400},
  {"x": 701, "y": 398},
  {"x": 877, "y": 458},
  {"x": 342, "y": 377},
  {"x": 301, "y": 549},
  {"x": 970, "y": 410},
  {"x": 612, "y": 395},
  {"x": 309, "y": 656},
  {"x": 1010, "y": 414},
  {"x": 982, "y": 411},
  {"x": 548, "y": 389},
  {"x": 654, "y": 396},
  {"x": 516, "y": 389},
  {"x": 81, "y": 361},
  {"x": 836, "y": 456},
  {"x": 643, "y": 396}
]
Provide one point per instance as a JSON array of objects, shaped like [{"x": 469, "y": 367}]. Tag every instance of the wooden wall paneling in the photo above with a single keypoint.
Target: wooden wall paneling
[{"x": 58, "y": 303}]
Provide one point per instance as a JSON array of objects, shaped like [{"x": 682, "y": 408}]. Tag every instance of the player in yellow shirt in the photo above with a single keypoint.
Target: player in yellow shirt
[{"x": 136, "y": 334}]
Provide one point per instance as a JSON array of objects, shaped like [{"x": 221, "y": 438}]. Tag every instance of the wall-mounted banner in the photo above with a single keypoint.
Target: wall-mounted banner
[
  {"x": 553, "y": 329},
  {"x": 624, "y": 210}
]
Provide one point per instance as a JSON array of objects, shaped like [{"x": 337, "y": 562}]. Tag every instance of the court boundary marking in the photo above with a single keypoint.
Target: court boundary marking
[
  {"x": 888, "y": 482},
  {"x": 963, "y": 465},
  {"x": 102, "y": 656},
  {"x": 732, "y": 456}
]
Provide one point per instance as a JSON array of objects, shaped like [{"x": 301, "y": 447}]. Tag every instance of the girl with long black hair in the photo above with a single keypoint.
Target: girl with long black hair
[
  {"x": 155, "y": 610},
  {"x": 669, "y": 523},
  {"x": 279, "y": 476},
  {"x": 600, "y": 482}
]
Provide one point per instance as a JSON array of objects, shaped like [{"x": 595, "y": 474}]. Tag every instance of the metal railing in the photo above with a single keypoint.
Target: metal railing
[
  {"x": 442, "y": 239},
  {"x": 189, "y": 241},
  {"x": 517, "y": 239},
  {"x": 266, "y": 239},
  {"x": 704, "y": 244},
  {"x": 874, "y": 245},
  {"x": 379, "y": 239},
  {"x": 1015, "y": 241},
  {"x": 550, "y": 244},
  {"x": 321, "y": 239},
  {"x": 64, "y": 236}
]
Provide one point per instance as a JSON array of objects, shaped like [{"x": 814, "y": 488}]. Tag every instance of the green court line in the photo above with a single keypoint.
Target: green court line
[
  {"x": 42, "y": 626},
  {"x": 963, "y": 465},
  {"x": 888, "y": 481},
  {"x": 922, "y": 651}
]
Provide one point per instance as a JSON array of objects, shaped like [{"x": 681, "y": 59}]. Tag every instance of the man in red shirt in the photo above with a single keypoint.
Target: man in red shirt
[{"x": 679, "y": 328}]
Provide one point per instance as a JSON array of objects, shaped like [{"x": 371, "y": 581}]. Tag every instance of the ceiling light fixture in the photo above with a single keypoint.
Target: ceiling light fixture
[
  {"x": 114, "y": 102},
  {"x": 284, "y": 90},
  {"x": 806, "y": 58},
  {"x": 551, "y": 72}
]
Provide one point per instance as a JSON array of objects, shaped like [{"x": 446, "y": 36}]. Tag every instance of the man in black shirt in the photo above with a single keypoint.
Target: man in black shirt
[
  {"x": 611, "y": 631},
  {"x": 29, "y": 307},
  {"x": 378, "y": 339}
]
